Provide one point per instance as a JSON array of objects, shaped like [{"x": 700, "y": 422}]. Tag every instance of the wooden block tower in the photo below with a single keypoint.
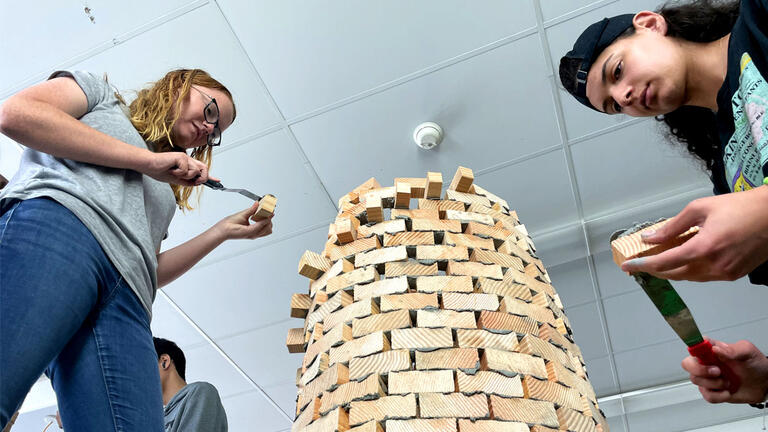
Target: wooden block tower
[{"x": 436, "y": 317}]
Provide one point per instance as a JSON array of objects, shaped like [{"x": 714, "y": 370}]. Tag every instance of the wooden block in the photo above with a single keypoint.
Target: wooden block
[
  {"x": 432, "y": 405},
  {"x": 357, "y": 246},
  {"x": 300, "y": 305},
  {"x": 408, "y": 301},
  {"x": 466, "y": 217},
  {"x": 351, "y": 198},
  {"x": 462, "y": 180},
  {"x": 523, "y": 410},
  {"x": 467, "y": 240},
  {"x": 409, "y": 238},
  {"x": 441, "y": 205},
  {"x": 360, "y": 309},
  {"x": 493, "y": 198},
  {"x": 382, "y": 321},
  {"x": 370, "y": 344},
  {"x": 422, "y": 425},
  {"x": 388, "y": 227},
  {"x": 315, "y": 369},
  {"x": 552, "y": 392},
  {"x": 385, "y": 195},
  {"x": 384, "y": 408},
  {"x": 531, "y": 344},
  {"x": 510, "y": 247},
  {"x": 336, "y": 336},
  {"x": 440, "y": 381},
  {"x": 466, "y": 425},
  {"x": 355, "y": 277},
  {"x": 367, "y": 185},
  {"x": 422, "y": 338},
  {"x": 309, "y": 414},
  {"x": 415, "y": 214},
  {"x": 335, "y": 421},
  {"x": 445, "y": 318},
  {"x": 295, "y": 340},
  {"x": 441, "y": 253},
  {"x": 512, "y": 363},
  {"x": 438, "y": 225},
  {"x": 417, "y": 185},
  {"x": 502, "y": 321},
  {"x": 381, "y": 363},
  {"x": 333, "y": 376},
  {"x": 575, "y": 421},
  {"x": 502, "y": 288},
  {"x": 514, "y": 276},
  {"x": 339, "y": 267},
  {"x": 353, "y": 210},
  {"x": 434, "y": 185},
  {"x": 493, "y": 257},
  {"x": 313, "y": 265},
  {"x": 470, "y": 302},
  {"x": 448, "y": 358},
  {"x": 402, "y": 195},
  {"x": 474, "y": 269},
  {"x": 466, "y": 198},
  {"x": 380, "y": 256},
  {"x": 514, "y": 306},
  {"x": 371, "y": 387},
  {"x": 485, "y": 231},
  {"x": 550, "y": 334},
  {"x": 484, "y": 339},
  {"x": 346, "y": 229},
  {"x": 489, "y": 383},
  {"x": 633, "y": 246},
  {"x": 409, "y": 268},
  {"x": 337, "y": 301},
  {"x": 371, "y": 426},
  {"x": 373, "y": 209},
  {"x": 266, "y": 207},
  {"x": 441, "y": 284},
  {"x": 558, "y": 373},
  {"x": 381, "y": 287}
]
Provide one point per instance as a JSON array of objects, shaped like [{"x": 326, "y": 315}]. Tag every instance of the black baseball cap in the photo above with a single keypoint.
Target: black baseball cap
[{"x": 588, "y": 47}]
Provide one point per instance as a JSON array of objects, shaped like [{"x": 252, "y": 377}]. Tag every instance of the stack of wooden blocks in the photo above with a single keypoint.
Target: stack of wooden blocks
[{"x": 434, "y": 319}]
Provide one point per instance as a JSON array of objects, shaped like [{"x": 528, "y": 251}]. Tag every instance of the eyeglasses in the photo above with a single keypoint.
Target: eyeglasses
[{"x": 211, "y": 115}]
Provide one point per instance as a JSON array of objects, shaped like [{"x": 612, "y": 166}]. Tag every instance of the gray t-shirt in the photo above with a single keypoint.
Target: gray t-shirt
[
  {"x": 195, "y": 408},
  {"x": 126, "y": 211}
]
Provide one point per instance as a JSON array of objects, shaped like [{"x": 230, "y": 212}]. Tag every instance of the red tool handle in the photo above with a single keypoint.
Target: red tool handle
[{"x": 703, "y": 352}]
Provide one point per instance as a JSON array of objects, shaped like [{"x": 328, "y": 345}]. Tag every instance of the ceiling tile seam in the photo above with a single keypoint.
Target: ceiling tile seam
[
  {"x": 517, "y": 160},
  {"x": 105, "y": 45},
  {"x": 232, "y": 335},
  {"x": 224, "y": 355},
  {"x": 575, "y": 305},
  {"x": 413, "y": 76},
  {"x": 277, "y": 127},
  {"x": 577, "y": 12},
  {"x": 307, "y": 163},
  {"x": 604, "y": 131},
  {"x": 560, "y": 116},
  {"x": 238, "y": 394},
  {"x": 206, "y": 263}
]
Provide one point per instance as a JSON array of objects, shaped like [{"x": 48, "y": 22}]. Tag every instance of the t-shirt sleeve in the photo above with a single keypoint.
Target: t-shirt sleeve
[
  {"x": 97, "y": 90},
  {"x": 203, "y": 411}
]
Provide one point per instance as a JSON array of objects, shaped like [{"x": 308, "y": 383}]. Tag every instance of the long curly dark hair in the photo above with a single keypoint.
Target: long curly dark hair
[{"x": 695, "y": 21}]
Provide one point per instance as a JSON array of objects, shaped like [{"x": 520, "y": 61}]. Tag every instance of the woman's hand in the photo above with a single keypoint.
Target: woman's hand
[
  {"x": 174, "y": 167},
  {"x": 732, "y": 240},
  {"x": 745, "y": 360},
  {"x": 239, "y": 225}
]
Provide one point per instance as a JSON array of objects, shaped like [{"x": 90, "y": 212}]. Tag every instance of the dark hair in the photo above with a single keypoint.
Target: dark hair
[
  {"x": 164, "y": 346},
  {"x": 695, "y": 21}
]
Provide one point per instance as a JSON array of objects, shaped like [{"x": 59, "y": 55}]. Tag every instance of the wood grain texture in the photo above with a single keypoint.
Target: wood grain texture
[
  {"x": 333, "y": 376},
  {"x": 381, "y": 321},
  {"x": 504, "y": 288},
  {"x": 445, "y": 318},
  {"x": 505, "y": 322},
  {"x": 410, "y": 301},
  {"x": 422, "y": 338},
  {"x": 467, "y": 198},
  {"x": 494, "y": 232},
  {"x": 409, "y": 268},
  {"x": 417, "y": 185},
  {"x": 466, "y": 217},
  {"x": 515, "y": 306},
  {"x": 371, "y": 426},
  {"x": 355, "y": 277},
  {"x": 438, "y": 225},
  {"x": 415, "y": 214},
  {"x": 295, "y": 340},
  {"x": 337, "y": 336},
  {"x": 381, "y": 363},
  {"x": 402, "y": 195},
  {"x": 448, "y": 358},
  {"x": 339, "y": 267},
  {"x": 488, "y": 382},
  {"x": 468, "y": 241},
  {"x": 357, "y": 246},
  {"x": 440, "y": 381},
  {"x": 313, "y": 265},
  {"x": 551, "y": 391},
  {"x": 441, "y": 205},
  {"x": 266, "y": 207},
  {"x": 335, "y": 421},
  {"x": 633, "y": 246},
  {"x": 370, "y": 344},
  {"x": 384, "y": 408},
  {"x": 492, "y": 257},
  {"x": 434, "y": 185},
  {"x": 441, "y": 253},
  {"x": 466, "y": 425},
  {"x": 360, "y": 309},
  {"x": 470, "y": 301},
  {"x": 440, "y": 284},
  {"x": 462, "y": 180},
  {"x": 409, "y": 238},
  {"x": 380, "y": 256},
  {"x": 370, "y": 388},
  {"x": 492, "y": 197},
  {"x": 300, "y": 304},
  {"x": 475, "y": 269},
  {"x": 531, "y": 344},
  {"x": 422, "y": 425},
  {"x": 575, "y": 421},
  {"x": 455, "y": 405},
  {"x": 484, "y": 339},
  {"x": 524, "y": 410},
  {"x": 388, "y": 227},
  {"x": 512, "y": 363},
  {"x": 381, "y": 287}
]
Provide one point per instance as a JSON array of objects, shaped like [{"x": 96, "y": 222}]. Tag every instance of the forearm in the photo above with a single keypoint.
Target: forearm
[
  {"x": 175, "y": 262},
  {"x": 45, "y": 128}
]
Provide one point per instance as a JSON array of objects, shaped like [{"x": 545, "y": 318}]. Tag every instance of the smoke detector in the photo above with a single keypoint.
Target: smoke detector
[{"x": 428, "y": 135}]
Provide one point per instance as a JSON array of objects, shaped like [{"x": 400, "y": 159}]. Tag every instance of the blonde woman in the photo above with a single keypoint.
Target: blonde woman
[{"x": 80, "y": 229}]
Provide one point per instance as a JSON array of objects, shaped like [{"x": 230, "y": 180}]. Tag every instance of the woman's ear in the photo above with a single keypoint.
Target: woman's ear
[{"x": 647, "y": 20}]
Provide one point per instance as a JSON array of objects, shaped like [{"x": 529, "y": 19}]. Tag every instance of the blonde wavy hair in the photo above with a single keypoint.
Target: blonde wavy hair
[{"x": 157, "y": 108}]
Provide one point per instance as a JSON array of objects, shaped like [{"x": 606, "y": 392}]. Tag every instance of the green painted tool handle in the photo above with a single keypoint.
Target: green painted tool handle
[{"x": 703, "y": 352}]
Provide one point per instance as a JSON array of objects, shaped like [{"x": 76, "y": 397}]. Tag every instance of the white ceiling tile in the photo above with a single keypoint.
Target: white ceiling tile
[
  {"x": 717, "y": 305},
  {"x": 560, "y": 244},
  {"x": 629, "y": 166},
  {"x": 686, "y": 416},
  {"x": 270, "y": 164},
  {"x": 373, "y": 137},
  {"x": 753, "y": 331},
  {"x": 284, "y": 394},
  {"x": 262, "y": 353},
  {"x": 616, "y": 424},
  {"x": 651, "y": 365},
  {"x": 148, "y": 56},
  {"x": 313, "y": 54},
  {"x": 612, "y": 280},
  {"x": 251, "y": 412},
  {"x": 37, "y": 36},
  {"x": 247, "y": 291},
  {"x": 587, "y": 330},
  {"x": 551, "y": 9},
  {"x": 167, "y": 323},
  {"x": 601, "y": 377},
  {"x": 35, "y": 421},
  {"x": 572, "y": 282},
  {"x": 10, "y": 156},
  {"x": 633, "y": 321},
  {"x": 204, "y": 363}
]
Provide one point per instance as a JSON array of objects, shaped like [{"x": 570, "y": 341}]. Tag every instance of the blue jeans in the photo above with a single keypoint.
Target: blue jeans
[{"x": 66, "y": 311}]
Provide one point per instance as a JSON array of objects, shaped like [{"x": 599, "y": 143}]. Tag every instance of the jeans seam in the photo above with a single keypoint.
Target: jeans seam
[
  {"x": 102, "y": 362},
  {"x": 112, "y": 293}
]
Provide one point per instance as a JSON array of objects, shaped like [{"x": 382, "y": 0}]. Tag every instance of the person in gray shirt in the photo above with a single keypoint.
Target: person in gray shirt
[
  {"x": 81, "y": 223},
  {"x": 194, "y": 407}
]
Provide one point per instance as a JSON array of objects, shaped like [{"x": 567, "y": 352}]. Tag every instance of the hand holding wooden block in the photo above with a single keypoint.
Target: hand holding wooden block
[
  {"x": 633, "y": 246},
  {"x": 266, "y": 207}
]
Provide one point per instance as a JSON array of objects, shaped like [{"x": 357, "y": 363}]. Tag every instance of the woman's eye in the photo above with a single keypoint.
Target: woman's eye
[{"x": 617, "y": 71}]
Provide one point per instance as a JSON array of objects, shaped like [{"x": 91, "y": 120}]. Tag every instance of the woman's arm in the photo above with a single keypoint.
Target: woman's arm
[
  {"x": 175, "y": 262},
  {"x": 45, "y": 117}
]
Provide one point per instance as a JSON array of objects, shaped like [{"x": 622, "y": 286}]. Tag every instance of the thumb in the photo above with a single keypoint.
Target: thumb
[{"x": 674, "y": 227}]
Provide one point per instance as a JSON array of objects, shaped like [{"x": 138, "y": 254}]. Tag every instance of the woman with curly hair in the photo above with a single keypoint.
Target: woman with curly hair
[{"x": 80, "y": 229}]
